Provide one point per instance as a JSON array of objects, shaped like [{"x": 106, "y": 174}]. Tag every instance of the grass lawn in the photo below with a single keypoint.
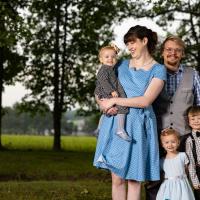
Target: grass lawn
[
  {"x": 55, "y": 190},
  {"x": 29, "y": 170}
]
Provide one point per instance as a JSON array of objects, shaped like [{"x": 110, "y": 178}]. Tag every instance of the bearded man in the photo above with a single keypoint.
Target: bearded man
[{"x": 182, "y": 90}]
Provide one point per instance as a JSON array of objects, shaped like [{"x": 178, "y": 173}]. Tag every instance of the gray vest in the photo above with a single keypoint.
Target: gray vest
[{"x": 172, "y": 111}]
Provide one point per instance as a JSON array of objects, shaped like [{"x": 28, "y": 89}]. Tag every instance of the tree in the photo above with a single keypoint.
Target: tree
[
  {"x": 15, "y": 122},
  {"x": 186, "y": 15},
  {"x": 175, "y": 17},
  {"x": 11, "y": 31},
  {"x": 62, "y": 51},
  {"x": 65, "y": 38}
]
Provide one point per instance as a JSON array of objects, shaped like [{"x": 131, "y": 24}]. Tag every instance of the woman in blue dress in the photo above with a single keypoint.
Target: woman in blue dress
[{"x": 142, "y": 79}]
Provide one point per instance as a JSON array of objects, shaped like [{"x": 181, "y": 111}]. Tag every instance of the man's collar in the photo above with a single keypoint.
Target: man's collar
[{"x": 180, "y": 70}]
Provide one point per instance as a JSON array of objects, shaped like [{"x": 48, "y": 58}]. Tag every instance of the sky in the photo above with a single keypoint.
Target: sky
[{"x": 13, "y": 94}]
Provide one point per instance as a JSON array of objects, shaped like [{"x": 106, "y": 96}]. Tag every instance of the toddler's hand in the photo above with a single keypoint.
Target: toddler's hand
[
  {"x": 114, "y": 94},
  {"x": 112, "y": 111}
]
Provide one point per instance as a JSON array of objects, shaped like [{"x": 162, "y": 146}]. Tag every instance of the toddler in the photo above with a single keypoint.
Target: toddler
[{"x": 108, "y": 86}]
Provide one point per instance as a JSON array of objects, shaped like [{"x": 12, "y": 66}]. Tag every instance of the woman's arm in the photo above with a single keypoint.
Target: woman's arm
[
  {"x": 110, "y": 111},
  {"x": 146, "y": 100}
]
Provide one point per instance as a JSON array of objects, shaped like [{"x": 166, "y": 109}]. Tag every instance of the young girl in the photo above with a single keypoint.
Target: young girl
[
  {"x": 176, "y": 185},
  {"x": 108, "y": 86}
]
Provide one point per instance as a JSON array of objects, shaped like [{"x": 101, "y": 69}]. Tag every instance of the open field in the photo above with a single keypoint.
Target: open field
[
  {"x": 68, "y": 143},
  {"x": 29, "y": 170}
]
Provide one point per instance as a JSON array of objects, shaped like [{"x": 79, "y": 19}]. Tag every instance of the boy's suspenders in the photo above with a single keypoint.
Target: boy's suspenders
[
  {"x": 194, "y": 149},
  {"x": 196, "y": 192}
]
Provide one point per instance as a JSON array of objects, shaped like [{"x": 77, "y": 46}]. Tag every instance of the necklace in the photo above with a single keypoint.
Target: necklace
[{"x": 144, "y": 65}]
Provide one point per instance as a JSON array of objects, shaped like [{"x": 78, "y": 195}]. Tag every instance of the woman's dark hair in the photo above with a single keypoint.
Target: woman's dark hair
[{"x": 141, "y": 32}]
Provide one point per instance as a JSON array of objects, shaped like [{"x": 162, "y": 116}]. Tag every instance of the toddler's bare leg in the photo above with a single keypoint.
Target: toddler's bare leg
[{"x": 120, "y": 127}]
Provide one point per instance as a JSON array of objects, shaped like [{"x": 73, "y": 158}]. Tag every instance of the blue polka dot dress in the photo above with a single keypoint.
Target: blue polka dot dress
[{"x": 138, "y": 159}]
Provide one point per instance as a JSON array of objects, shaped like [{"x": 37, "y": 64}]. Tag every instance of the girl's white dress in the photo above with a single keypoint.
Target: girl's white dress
[{"x": 176, "y": 185}]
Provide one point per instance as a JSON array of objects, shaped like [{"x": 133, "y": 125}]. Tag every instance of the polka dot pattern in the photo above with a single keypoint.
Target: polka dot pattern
[{"x": 138, "y": 159}]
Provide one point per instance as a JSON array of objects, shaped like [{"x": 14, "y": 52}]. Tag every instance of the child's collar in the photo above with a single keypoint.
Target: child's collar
[{"x": 196, "y": 133}]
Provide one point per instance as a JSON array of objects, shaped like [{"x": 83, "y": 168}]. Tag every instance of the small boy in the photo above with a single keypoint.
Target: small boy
[{"x": 193, "y": 148}]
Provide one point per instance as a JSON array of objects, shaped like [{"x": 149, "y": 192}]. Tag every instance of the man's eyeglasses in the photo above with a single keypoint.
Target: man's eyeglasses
[{"x": 171, "y": 50}]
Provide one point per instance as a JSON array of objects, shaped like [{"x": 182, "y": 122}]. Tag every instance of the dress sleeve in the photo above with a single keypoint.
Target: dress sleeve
[{"x": 160, "y": 72}]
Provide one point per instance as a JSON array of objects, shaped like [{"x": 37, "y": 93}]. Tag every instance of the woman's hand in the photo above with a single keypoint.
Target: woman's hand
[
  {"x": 110, "y": 111},
  {"x": 106, "y": 104}
]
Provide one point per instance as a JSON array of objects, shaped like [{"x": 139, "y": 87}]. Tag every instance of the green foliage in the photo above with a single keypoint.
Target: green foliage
[
  {"x": 184, "y": 15},
  {"x": 67, "y": 55},
  {"x": 32, "y": 107},
  {"x": 25, "y": 123},
  {"x": 175, "y": 17},
  {"x": 17, "y": 121},
  {"x": 62, "y": 52},
  {"x": 12, "y": 30},
  {"x": 60, "y": 40}
]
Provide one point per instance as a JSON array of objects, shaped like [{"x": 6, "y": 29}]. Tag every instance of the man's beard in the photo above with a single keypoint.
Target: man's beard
[{"x": 172, "y": 63}]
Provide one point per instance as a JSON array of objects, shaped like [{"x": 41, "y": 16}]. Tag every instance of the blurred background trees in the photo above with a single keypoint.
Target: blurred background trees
[
  {"x": 12, "y": 31},
  {"x": 185, "y": 16},
  {"x": 51, "y": 46}
]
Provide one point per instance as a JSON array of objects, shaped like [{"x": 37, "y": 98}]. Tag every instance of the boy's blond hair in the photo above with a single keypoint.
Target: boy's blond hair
[{"x": 193, "y": 111}]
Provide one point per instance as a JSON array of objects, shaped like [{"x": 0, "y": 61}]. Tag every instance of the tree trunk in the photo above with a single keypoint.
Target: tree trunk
[
  {"x": 57, "y": 129},
  {"x": 59, "y": 81},
  {"x": 1, "y": 91},
  {"x": 56, "y": 111}
]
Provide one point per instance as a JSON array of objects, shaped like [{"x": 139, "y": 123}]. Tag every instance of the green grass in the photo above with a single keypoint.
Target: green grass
[
  {"x": 68, "y": 143},
  {"x": 27, "y": 162},
  {"x": 55, "y": 190},
  {"x": 30, "y": 170}
]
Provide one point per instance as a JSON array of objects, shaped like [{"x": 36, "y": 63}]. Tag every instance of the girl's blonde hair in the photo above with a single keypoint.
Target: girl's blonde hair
[
  {"x": 111, "y": 46},
  {"x": 169, "y": 131}
]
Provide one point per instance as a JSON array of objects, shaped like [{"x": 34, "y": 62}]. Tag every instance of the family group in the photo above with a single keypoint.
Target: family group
[{"x": 149, "y": 130}]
